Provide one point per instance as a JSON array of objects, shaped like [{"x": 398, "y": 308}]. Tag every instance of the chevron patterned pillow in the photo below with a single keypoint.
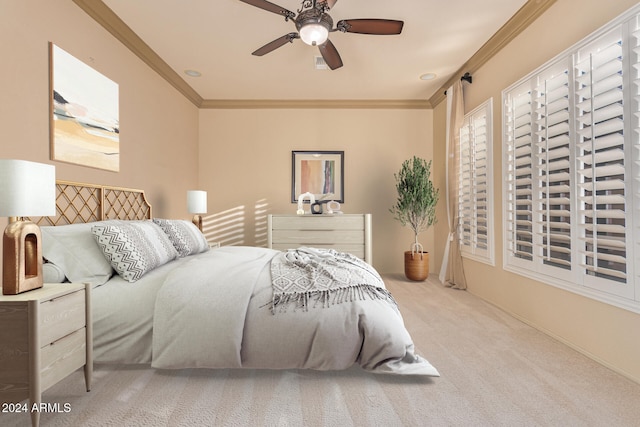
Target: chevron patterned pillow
[
  {"x": 184, "y": 235},
  {"x": 134, "y": 248}
]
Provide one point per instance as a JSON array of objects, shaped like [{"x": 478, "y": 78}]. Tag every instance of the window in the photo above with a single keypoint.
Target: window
[
  {"x": 475, "y": 185},
  {"x": 571, "y": 164}
]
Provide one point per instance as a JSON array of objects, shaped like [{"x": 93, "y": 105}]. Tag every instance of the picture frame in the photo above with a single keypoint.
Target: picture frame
[
  {"x": 320, "y": 173},
  {"x": 84, "y": 113}
]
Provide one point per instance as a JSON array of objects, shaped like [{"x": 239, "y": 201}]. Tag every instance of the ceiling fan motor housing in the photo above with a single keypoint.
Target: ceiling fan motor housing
[{"x": 314, "y": 26}]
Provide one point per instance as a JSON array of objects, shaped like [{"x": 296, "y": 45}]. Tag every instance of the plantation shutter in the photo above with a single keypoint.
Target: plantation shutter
[
  {"x": 552, "y": 124},
  {"x": 480, "y": 177},
  {"x": 633, "y": 152},
  {"x": 518, "y": 174},
  {"x": 475, "y": 183},
  {"x": 571, "y": 162},
  {"x": 465, "y": 188},
  {"x": 601, "y": 166}
]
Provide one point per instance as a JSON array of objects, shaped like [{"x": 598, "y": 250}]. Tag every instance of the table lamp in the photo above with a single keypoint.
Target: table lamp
[
  {"x": 26, "y": 189},
  {"x": 197, "y": 205}
]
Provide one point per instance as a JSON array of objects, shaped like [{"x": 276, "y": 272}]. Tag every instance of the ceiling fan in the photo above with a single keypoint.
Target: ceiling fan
[{"x": 314, "y": 25}]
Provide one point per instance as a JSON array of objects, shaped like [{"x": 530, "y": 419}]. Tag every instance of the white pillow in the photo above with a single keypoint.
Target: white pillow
[
  {"x": 51, "y": 273},
  {"x": 134, "y": 248},
  {"x": 185, "y": 236},
  {"x": 73, "y": 249}
]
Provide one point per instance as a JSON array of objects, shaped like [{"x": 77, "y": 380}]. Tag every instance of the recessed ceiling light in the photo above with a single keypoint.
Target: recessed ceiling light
[
  {"x": 428, "y": 76},
  {"x": 192, "y": 73}
]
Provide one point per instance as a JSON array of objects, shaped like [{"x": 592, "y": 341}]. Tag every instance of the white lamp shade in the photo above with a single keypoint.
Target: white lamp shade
[
  {"x": 314, "y": 34},
  {"x": 197, "y": 201},
  {"x": 27, "y": 188}
]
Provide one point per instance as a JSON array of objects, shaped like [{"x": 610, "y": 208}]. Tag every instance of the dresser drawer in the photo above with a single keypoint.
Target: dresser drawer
[
  {"x": 316, "y": 237},
  {"x": 318, "y": 222},
  {"x": 62, "y": 357},
  {"x": 357, "y": 250},
  {"x": 61, "y": 316}
]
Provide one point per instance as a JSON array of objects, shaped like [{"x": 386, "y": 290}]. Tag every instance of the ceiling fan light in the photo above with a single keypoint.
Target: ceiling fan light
[{"x": 314, "y": 34}]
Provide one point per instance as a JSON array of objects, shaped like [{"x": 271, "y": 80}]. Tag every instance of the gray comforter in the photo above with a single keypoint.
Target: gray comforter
[{"x": 215, "y": 312}]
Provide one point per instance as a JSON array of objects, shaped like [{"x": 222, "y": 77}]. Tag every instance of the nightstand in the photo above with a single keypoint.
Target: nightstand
[{"x": 45, "y": 335}]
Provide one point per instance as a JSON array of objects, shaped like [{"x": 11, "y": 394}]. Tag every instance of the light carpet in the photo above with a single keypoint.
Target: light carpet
[{"x": 495, "y": 371}]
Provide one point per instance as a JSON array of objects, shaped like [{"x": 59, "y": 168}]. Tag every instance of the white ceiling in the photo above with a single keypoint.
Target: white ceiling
[{"x": 216, "y": 37}]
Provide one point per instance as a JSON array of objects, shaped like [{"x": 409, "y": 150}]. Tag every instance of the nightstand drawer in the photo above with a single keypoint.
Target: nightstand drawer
[
  {"x": 61, "y": 316},
  {"x": 59, "y": 359}
]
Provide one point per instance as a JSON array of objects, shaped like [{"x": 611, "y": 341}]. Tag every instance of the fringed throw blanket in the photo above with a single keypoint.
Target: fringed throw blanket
[{"x": 323, "y": 277}]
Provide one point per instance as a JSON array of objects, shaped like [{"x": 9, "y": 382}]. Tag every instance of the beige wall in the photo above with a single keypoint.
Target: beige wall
[
  {"x": 608, "y": 334},
  {"x": 245, "y": 164},
  {"x": 159, "y": 127}
]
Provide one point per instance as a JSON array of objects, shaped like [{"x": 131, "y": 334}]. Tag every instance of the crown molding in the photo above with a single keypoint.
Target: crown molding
[
  {"x": 104, "y": 16},
  {"x": 528, "y": 13},
  {"x": 315, "y": 104}
]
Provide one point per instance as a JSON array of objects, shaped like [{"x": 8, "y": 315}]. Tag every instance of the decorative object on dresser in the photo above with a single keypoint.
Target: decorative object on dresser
[
  {"x": 46, "y": 335},
  {"x": 333, "y": 207},
  {"x": 320, "y": 173},
  {"x": 415, "y": 207},
  {"x": 316, "y": 208},
  {"x": 197, "y": 205},
  {"x": 349, "y": 233},
  {"x": 302, "y": 198},
  {"x": 26, "y": 188}
]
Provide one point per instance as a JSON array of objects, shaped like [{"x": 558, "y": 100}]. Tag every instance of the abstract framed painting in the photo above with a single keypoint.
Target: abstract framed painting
[
  {"x": 320, "y": 173},
  {"x": 84, "y": 118}
]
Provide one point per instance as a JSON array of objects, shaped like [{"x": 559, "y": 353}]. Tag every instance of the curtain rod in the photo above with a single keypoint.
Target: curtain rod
[{"x": 467, "y": 77}]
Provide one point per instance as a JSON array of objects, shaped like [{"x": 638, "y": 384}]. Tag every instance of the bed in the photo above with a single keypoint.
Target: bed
[{"x": 162, "y": 296}]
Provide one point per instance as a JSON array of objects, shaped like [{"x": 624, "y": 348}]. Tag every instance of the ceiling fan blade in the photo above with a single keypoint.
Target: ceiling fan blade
[
  {"x": 330, "y": 55},
  {"x": 264, "y": 4},
  {"x": 370, "y": 26},
  {"x": 280, "y": 41}
]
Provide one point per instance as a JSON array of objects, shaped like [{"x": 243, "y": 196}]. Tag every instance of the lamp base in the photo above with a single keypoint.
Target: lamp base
[
  {"x": 197, "y": 220},
  {"x": 21, "y": 258}
]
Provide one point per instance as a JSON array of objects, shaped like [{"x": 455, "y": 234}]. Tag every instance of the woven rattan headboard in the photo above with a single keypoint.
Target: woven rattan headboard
[{"x": 79, "y": 203}]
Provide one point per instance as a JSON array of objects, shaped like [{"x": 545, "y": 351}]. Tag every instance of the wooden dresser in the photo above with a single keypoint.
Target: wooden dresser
[
  {"x": 45, "y": 335},
  {"x": 345, "y": 233}
]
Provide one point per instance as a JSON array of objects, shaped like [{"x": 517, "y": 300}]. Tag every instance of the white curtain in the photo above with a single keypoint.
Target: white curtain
[{"x": 451, "y": 271}]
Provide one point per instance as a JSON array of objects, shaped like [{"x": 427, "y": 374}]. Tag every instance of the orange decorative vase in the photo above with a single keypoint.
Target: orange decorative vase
[{"x": 416, "y": 265}]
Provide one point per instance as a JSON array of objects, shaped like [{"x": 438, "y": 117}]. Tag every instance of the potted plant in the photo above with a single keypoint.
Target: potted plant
[{"x": 416, "y": 207}]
